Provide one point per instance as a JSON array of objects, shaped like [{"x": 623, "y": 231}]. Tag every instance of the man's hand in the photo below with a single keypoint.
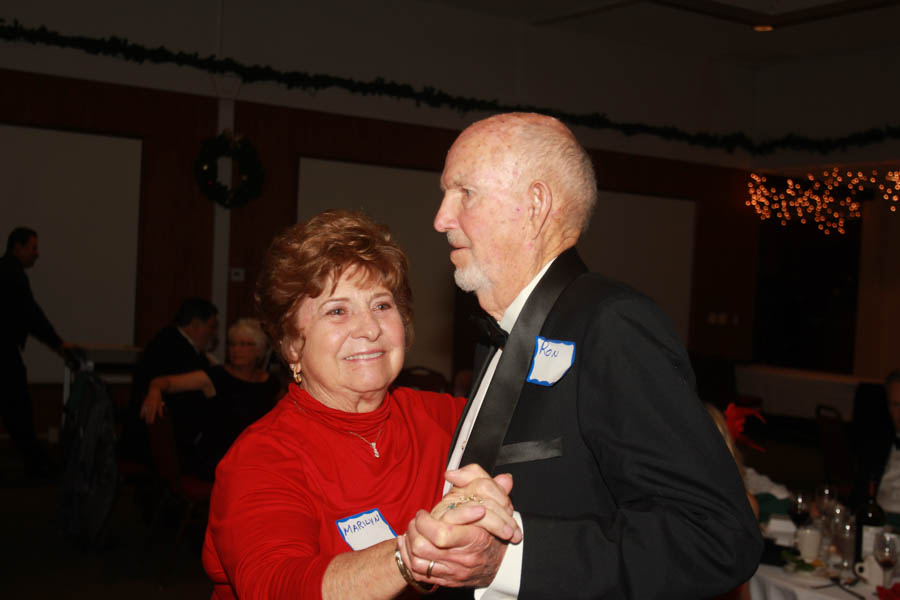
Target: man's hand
[
  {"x": 463, "y": 540},
  {"x": 72, "y": 354},
  {"x": 473, "y": 487},
  {"x": 462, "y": 555},
  {"x": 153, "y": 405}
]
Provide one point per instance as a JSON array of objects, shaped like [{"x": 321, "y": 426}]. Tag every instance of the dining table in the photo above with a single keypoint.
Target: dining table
[{"x": 771, "y": 582}]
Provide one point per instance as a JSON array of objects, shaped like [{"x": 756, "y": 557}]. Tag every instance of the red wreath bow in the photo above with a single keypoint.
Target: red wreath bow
[{"x": 735, "y": 418}]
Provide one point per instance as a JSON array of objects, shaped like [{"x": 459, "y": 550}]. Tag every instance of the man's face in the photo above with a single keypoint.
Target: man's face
[
  {"x": 893, "y": 391},
  {"x": 207, "y": 336},
  {"x": 481, "y": 212},
  {"x": 27, "y": 253}
]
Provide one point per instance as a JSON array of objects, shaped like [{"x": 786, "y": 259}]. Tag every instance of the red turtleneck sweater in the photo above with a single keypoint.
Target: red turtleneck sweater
[{"x": 298, "y": 488}]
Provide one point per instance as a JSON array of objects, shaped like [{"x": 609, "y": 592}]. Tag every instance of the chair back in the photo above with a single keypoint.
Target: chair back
[
  {"x": 422, "y": 378},
  {"x": 164, "y": 451},
  {"x": 836, "y": 450},
  {"x": 871, "y": 418}
]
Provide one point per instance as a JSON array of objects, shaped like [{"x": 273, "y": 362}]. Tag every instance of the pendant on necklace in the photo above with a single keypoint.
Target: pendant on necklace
[{"x": 370, "y": 444}]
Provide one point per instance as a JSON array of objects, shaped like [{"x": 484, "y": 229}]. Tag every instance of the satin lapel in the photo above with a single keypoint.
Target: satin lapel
[
  {"x": 506, "y": 386},
  {"x": 476, "y": 382}
]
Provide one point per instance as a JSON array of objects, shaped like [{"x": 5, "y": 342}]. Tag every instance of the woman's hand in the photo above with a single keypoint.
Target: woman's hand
[{"x": 153, "y": 405}]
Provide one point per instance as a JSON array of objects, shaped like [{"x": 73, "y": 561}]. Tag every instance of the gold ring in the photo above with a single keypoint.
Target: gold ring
[{"x": 430, "y": 567}]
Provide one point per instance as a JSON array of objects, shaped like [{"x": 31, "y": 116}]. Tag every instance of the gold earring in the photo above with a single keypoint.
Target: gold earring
[{"x": 295, "y": 369}]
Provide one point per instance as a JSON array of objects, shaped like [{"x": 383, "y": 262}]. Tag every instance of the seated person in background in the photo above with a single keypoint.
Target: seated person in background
[
  {"x": 181, "y": 347},
  {"x": 243, "y": 391},
  {"x": 741, "y": 592},
  {"x": 309, "y": 499},
  {"x": 719, "y": 419},
  {"x": 879, "y": 455}
]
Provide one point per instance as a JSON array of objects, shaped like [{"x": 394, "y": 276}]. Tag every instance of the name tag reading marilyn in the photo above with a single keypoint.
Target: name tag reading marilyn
[
  {"x": 365, "y": 529},
  {"x": 552, "y": 358}
]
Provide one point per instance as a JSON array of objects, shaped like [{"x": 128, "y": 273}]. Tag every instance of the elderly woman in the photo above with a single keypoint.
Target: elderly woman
[
  {"x": 309, "y": 500},
  {"x": 243, "y": 390}
]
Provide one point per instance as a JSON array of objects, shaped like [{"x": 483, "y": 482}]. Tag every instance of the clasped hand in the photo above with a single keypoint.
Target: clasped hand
[{"x": 462, "y": 541}]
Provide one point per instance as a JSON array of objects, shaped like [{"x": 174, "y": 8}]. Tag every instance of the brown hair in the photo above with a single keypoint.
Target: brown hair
[{"x": 303, "y": 258}]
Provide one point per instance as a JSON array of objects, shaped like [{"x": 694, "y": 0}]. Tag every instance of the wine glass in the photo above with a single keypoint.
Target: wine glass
[
  {"x": 845, "y": 541},
  {"x": 826, "y": 497},
  {"x": 836, "y": 518},
  {"x": 885, "y": 551},
  {"x": 798, "y": 508}
]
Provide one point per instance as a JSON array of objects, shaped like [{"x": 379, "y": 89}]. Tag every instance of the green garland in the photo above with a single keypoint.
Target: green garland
[
  {"x": 249, "y": 167},
  {"x": 430, "y": 96}
]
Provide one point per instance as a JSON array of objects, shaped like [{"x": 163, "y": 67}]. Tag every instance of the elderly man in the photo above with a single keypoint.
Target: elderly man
[
  {"x": 622, "y": 484},
  {"x": 180, "y": 347},
  {"x": 22, "y": 316}
]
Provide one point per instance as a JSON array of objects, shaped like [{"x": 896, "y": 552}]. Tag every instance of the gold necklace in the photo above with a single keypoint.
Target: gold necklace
[{"x": 372, "y": 444}]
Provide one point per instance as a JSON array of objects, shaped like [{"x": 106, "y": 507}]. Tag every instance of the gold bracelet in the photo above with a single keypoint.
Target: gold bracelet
[{"x": 404, "y": 570}]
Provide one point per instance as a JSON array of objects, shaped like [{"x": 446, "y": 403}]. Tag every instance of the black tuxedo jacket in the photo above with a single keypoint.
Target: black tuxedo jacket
[
  {"x": 168, "y": 353},
  {"x": 625, "y": 487}
]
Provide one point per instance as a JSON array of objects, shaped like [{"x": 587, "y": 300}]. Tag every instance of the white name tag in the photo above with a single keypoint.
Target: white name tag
[
  {"x": 552, "y": 358},
  {"x": 365, "y": 529}
]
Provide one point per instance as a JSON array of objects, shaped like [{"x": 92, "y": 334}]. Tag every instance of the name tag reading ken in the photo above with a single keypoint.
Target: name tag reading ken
[
  {"x": 365, "y": 529},
  {"x": 552, "y": 358}
]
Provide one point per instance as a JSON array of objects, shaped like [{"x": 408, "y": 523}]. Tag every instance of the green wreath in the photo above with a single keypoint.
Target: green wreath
[{"x": 249, "y": 168}]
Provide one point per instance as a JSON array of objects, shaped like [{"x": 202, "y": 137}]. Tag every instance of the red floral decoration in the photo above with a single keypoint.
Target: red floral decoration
[{"x": 735, "y": 418}]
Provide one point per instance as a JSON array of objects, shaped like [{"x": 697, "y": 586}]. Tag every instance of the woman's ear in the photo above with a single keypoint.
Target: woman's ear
[{"x": 292, "y": 350}]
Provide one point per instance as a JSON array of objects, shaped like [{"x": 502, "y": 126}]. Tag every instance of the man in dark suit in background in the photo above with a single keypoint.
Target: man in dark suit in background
[
  {"x": 877, "y": 419},
  {"x": 22, "y": 316},
  {"x": 622, "y": 484},
  {"x": 178, "y": 348}
]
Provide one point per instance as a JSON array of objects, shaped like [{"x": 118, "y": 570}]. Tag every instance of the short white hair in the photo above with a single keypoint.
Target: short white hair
[
  {"x": 548, "y": 150},
  {"x": 253, "y": 330}
]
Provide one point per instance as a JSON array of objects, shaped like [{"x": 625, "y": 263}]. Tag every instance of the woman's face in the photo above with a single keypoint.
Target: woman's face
[
  {"x": 242, "y": 350},
  {"x": 354, "y": 343}
]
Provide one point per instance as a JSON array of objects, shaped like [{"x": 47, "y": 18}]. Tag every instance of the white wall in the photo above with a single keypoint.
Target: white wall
[
  {"x": 406, "y": 201},
  {"x": 80, "y": 193},
  {"x": 648, "y": 243}
]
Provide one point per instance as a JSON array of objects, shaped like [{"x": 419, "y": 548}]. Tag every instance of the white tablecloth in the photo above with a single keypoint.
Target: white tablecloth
[{"x": 774, "y": 583}]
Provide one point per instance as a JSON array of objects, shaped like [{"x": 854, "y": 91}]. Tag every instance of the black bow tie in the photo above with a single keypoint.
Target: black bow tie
[{"x": 490, "y": 333}]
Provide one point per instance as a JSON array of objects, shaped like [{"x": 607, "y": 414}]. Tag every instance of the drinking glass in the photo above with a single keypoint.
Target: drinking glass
[
  {"x": 885, "y": 551},
  {"x": 826, "y": 497},
  {"x": 798, "y": 508},
  {"x": 845, "y": 542}
]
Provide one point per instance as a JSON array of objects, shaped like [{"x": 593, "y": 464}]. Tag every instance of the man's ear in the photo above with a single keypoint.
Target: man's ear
[{"x": 540, "y": 203}]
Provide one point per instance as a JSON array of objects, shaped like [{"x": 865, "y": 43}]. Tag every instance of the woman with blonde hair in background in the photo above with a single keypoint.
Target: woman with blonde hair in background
[{"x": 238, "y": 393}]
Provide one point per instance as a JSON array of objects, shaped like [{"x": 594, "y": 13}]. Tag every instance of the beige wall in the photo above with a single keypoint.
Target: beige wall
[
  {"x": 647, "y": 242},
  {"x": 878, "y": 313},
  {"x": 644, "y": 241},
  {"x": 406, "y": 201},
  {"x": 80, "y": 193}
]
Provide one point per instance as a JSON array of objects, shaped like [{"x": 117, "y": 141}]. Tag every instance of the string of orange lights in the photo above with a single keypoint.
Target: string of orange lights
[{"x": 827, "y": 202}]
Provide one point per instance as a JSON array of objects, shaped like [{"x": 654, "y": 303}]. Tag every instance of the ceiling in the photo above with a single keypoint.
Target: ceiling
[{"x": 715, "y": 29}]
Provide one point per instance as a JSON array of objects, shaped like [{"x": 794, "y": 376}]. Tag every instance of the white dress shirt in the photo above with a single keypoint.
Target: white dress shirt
[
  {"x": 889, "y": 489},
  {"x": 506, "y": 583}
]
